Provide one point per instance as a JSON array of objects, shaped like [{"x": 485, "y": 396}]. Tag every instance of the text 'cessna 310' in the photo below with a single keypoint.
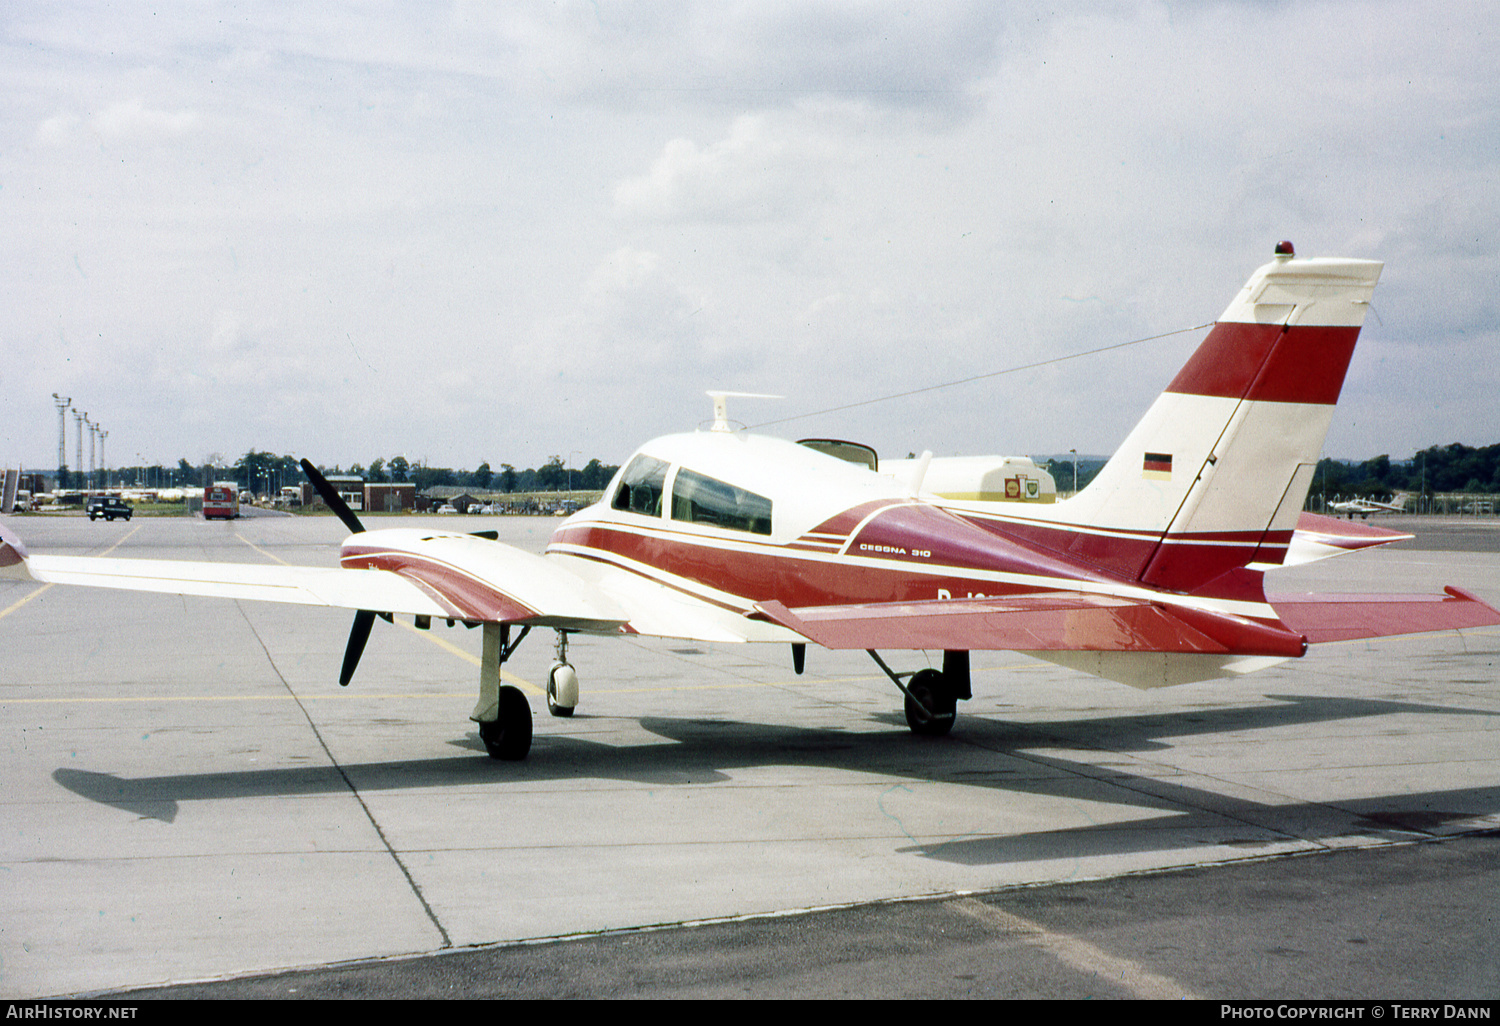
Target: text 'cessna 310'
[{"x": 1152, "y": 575}]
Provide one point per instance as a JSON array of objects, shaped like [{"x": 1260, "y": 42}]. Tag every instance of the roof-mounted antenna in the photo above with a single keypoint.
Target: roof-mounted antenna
[
  {"x": 919, "y": 473},
  {"x": 721, "y": 406}
]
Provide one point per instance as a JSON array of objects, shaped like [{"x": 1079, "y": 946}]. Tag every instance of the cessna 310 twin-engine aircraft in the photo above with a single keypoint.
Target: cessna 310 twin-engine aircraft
[{"x": 1152, "y": 575}]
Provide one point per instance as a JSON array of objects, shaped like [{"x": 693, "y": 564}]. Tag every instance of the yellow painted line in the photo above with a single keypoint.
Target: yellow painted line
[
  {"x": 340, "y": 695},
  {"x": 21, "y": 602},
  {"x": 343, "y": 694},
  {"x": 354, "y": 693},
  {"x": 123, "y": 540},
  {"x": 18, "y": 604},
  {"x": 262, "y": 551}
]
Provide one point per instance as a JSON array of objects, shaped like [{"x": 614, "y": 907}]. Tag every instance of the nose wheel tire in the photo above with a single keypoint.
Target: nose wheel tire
[{"x": 562, "y": 690}]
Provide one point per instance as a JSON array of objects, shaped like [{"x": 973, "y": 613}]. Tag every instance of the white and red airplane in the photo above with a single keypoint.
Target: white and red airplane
[
  {"x": 1152, "y": 575},
  {"x": 1364, "y": 507}
]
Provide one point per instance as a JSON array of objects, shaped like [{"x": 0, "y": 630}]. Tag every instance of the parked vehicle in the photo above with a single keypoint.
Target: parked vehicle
[
  {"x": 108, "y": 507},
  {"x": 221, "y": 501}
]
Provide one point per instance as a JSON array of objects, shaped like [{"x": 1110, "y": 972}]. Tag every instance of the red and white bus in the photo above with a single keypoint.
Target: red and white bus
[{"x": 221, "y": 501}]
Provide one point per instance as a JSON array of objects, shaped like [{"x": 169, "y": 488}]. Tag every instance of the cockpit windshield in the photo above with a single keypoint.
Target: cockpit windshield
[
  {"x": 642, "y": 486},
  {"x": 698, "y": 499}
]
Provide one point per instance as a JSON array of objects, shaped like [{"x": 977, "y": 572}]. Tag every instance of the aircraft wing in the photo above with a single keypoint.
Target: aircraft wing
[
  {"x": 458, "y": 577},
  {"x": 302, "y": 585},
  {"x": 1035, "y": 623}
]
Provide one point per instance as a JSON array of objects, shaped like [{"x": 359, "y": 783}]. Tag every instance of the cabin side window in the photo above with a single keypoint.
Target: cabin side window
[
  {"x": 697, "y": 499},
  {"x": 642, "y": 486}
]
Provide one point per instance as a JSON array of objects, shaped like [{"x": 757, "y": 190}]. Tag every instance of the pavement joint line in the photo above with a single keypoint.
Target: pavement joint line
[{"x": 354, "y": 791}]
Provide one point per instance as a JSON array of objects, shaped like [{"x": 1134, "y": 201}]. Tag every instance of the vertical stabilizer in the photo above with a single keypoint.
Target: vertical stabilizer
[{"x": 1219, "y": 467}]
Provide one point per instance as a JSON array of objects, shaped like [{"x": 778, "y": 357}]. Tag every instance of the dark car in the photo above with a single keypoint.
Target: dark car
[{"x": 108, "y": 508}]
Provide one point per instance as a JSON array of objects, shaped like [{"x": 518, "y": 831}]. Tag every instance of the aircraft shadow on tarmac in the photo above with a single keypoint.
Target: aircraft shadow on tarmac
[{"x": 984, "y": 752}]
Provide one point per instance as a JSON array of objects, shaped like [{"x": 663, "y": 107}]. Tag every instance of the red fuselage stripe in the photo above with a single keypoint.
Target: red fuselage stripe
[{"x": 908, "y": 553}]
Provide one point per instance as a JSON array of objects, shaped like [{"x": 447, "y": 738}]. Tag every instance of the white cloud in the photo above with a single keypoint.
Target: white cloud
[
  {"x": 765, "y": 54},
  {"x": 132, "y": 121},
  {"x": 57, "y": 129},
  {"x": 748, "y": 176}
]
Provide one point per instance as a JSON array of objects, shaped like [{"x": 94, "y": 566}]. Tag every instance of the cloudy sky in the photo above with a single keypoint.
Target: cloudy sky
[{"x": 467, "y": 232}]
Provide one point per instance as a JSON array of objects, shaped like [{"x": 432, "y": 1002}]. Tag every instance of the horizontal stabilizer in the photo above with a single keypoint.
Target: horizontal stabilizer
[
  {"x": 1319, "y": 537},
  {"x": 1325, "y": 618}
]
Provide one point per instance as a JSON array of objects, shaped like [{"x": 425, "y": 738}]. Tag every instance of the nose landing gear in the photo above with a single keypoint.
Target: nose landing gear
[{"x": 562, "y": 681}]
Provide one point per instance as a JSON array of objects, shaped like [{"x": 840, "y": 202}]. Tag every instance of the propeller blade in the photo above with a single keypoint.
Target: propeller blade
[
  {"x": 337, "y": 504},
  {"x": 363, "y": 621}
]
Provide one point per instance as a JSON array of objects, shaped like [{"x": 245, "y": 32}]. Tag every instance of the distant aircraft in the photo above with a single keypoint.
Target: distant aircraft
[
  {"x": 1364, "y": 507},
  {"x": 1152, "y": 575}
]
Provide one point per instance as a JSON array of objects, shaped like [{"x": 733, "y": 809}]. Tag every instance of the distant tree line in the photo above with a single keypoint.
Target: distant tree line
[
  {"x": 552, "y": 476},
  {"x": 265, "y": 472},
  {"x": 1062, "y": 471},
  {"x": 1441, "y": 468}
]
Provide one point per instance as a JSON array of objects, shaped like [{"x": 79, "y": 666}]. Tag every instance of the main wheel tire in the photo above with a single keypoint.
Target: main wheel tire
[
  {"x": 931, "y": 689},
  {"x": 509, "y": 736}
]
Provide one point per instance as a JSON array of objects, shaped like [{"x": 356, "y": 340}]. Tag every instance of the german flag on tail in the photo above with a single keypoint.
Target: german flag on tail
[{"x": 1157, "y": 466}]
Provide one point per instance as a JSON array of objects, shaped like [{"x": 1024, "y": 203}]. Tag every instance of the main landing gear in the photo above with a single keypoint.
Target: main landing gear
[
  {"x": 932, "y": 695},
  {"x": 503, "y": 714}
]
